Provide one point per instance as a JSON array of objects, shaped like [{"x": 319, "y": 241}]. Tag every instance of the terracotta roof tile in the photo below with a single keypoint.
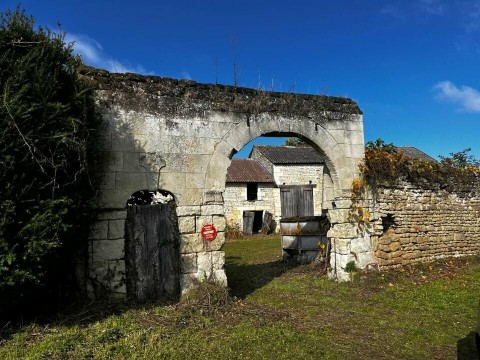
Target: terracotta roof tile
[
  {"x": 291, "y": 154},
  {"x": 248, "y": 170}
]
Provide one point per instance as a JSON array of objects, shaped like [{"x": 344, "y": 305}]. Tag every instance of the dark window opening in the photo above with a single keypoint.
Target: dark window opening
[
  {"x": 388, "y": 222},
  {"x": 252, "y": 191}
]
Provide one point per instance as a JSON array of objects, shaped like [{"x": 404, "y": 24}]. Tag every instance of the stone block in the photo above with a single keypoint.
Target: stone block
[
  {"x": 173, "y": 163},
  {"x": 114, "y": 199},
  {"x": 342, "y": 203},
  {"x": 394, "y": 246},
  {"x": 174, "y": 182},
  {"x": 195, "y": 163},
  {"x": 191, "y": 243},
  {"x": 99, "y": 230},
  {"x": 188, "y": 263},
  {"x": 186, "y": 224},
  {"x": 189, "y": 210},
  {"x": 213, "y": 209},
  {"x": 174, "y": 127},
  {"x": 200, "y": 146},
  {"x": 113, "y": 215},
  {"x": 346, "y": 230},
  {"x": 203, "y": 220},
  {"x": 188, "y": 282},
  {"x": 338, "y": 215},
  {"x": 360, "y": 245},
  {"x": 189, "y": 197},
  {"x": 341, "y": 246},
  {"x": 219, "y": 277},
  {"x": 210, "y": 261},
  {"x": 219, "y": 222},
  {"x": 114, "y": 160},
  {"x": 213, "y": 197},
  {"x": 116, "y": 229},
  {"x": 355, "y": 137},
  {"x": 108, "y": 249},
  {"x": 131, "y": 162},
  {"x": 364, "y": 259},
  {"x": 107, "y": 182},
  {"x": 194, "y": 181},
  {"x": 123, "y": 141},
  {"x": 216, "y": 244},
  {"x": 136, "y": 181}
]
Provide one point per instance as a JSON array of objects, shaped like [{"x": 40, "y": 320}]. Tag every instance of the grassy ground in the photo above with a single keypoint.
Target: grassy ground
[{"x": 278, "y": 311}]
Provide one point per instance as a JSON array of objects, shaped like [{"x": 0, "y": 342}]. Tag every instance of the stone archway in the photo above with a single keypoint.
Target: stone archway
[
  {"x": 343, "y": 170},
  {"x": 181, "y": 135}
]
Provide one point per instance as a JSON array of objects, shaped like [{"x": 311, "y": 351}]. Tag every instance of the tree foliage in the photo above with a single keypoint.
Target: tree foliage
[
  {"x": 46, "y": 120},
  {"x": 386, "y": 166},
  {"x": 294, "y": 141}
]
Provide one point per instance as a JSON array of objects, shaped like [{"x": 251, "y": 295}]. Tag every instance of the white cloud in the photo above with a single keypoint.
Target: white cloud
[
  {"x": 432, "y": 7},
  {"x": 468, "y": 98},
  {"x": 472, "y": 10},
  {"x": 186, "y": 75},
  {"x": 92, "y": 54},
  {"x": 393, "y": 11}
]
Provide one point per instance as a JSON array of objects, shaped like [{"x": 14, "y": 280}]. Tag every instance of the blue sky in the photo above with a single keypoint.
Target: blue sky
[{"x": 413, "y": 66}]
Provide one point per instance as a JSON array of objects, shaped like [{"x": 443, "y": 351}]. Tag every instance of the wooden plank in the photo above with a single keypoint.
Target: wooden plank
[
  {"x": 288, "y": 202},
  {"x": 267, "y": 220},
  {"x": 248, "y": 217},
  {"x": 152, "y": 252},
  {"x": 305, "y": 205}
]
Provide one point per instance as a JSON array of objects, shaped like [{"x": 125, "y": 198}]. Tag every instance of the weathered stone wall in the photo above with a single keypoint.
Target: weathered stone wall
[
  {"x": 427, "y": 225},
  {"x": 179, "y": 136},
  {"x": 236, "y": 202}
]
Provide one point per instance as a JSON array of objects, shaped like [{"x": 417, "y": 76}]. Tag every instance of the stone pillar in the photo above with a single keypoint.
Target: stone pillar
[{"x": 348, "y": 242}]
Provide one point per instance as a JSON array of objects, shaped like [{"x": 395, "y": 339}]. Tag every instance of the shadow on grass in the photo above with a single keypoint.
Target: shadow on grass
[
  {"x": 466, "y": 349},
  {"x": 243, "y": 279}
]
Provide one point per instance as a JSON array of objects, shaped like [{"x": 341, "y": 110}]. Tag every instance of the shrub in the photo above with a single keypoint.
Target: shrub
[
  {"x": 386, "y": 166},
  {"x": 46, "y": 121}
]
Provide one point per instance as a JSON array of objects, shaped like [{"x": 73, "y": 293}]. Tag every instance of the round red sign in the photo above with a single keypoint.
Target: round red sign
[{"x": 209, "y": 233}]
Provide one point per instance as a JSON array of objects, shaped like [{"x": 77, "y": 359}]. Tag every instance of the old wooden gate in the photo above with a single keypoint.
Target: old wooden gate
[
  {"x": 296, "y": 200},
  {"x": 152, "y": 252}
]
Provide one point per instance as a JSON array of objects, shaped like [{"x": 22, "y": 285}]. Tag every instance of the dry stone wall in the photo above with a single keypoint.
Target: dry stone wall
[{"x": 415, "y": 225}]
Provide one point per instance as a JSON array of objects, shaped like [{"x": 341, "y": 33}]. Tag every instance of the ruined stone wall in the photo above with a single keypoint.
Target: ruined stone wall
[
  {"x": 179, "y": 136},
  {"x": 423, "y": 225}
]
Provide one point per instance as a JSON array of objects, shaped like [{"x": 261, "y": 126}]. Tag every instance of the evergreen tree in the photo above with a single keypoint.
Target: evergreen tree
[{"x": 46, "y": 118}]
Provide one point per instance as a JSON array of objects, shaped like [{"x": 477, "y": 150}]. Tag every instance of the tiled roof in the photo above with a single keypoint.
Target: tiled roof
[
  {"x": 248, "y": 170},
  {"x": 414, "y": 153},
  {"x": 290, "y": 154}
]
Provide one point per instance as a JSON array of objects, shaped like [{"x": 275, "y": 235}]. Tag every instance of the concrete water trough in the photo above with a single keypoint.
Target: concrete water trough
[{"x": 303, "y": 236}]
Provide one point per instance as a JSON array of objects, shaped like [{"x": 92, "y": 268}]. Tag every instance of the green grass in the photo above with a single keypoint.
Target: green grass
[{"x": 279, "y": 311}]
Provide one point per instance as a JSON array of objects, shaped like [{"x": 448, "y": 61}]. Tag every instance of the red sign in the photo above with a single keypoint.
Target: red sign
[{"x": 209, "y": 233}]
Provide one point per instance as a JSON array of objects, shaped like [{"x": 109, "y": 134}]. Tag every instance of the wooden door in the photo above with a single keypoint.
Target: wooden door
[
  {"x": 152, "y": 252},
  {"x": 296, "y": 201},
  {"x": 248, "y": 217}
]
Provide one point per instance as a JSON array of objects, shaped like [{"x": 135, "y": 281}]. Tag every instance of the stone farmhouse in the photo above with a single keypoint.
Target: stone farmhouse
[
  {"x": 261, "y": 185},
  {"x": 265, "y": 181}
]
